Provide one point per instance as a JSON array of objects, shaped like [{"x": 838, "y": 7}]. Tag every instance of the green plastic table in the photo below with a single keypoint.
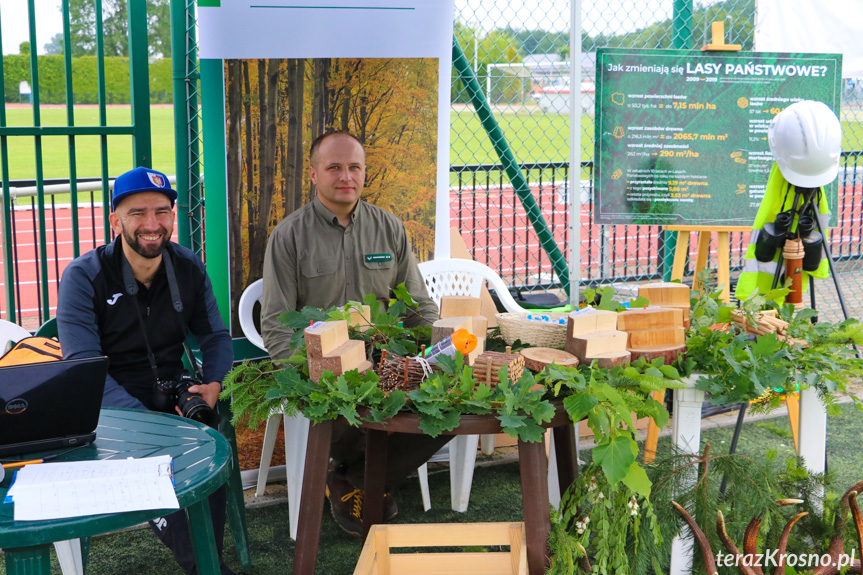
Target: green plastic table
[{"x": 201, "y": 458}]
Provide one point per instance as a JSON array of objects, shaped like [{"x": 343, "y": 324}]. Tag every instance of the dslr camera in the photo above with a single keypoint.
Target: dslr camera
[{"x": 175, "y": 392}]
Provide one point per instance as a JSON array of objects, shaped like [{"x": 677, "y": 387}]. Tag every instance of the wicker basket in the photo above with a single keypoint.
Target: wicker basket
[{"x": 531, "y": 332}]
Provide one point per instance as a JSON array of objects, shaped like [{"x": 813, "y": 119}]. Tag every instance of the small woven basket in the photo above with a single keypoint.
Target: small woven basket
[{"x": 531, "y": 332}]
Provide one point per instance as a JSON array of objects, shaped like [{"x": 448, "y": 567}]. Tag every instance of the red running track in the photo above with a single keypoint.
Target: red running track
[{"x": 494, "y": 226}]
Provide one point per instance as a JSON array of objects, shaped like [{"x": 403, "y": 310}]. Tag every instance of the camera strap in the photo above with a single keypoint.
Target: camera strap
[{"x": 131, "y": 285}]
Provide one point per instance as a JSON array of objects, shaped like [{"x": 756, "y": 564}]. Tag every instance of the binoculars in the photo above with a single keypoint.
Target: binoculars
[{"x": 773, "y": 235}]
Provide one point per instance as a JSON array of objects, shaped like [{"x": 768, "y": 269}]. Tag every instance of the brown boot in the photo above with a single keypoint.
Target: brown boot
[{"x": 346, "y": 505}]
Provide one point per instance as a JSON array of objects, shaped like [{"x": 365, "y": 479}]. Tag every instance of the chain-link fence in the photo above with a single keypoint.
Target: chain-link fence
[{"x": 520, "y": 53}]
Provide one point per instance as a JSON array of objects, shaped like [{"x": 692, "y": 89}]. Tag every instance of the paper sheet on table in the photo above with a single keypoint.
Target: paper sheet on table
[{"x": 59, "y": 490}]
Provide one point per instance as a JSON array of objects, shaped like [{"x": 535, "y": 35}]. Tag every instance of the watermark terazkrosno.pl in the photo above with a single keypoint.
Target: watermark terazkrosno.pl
[{"x": 773, "y": 558}]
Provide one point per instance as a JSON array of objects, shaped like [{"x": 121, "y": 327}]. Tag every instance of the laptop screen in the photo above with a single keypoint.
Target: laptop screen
[{"x": 51, "y": 400}]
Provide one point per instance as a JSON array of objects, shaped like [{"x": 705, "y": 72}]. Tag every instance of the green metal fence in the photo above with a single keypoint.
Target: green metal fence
[
  {"x": 42, "y": 276},
  {"x": 520, "y": 50},
  {"x": 513, "y": 48}
]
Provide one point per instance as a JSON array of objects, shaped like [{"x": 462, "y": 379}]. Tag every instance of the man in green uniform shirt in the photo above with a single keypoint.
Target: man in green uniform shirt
[{"x": 334, "y": 250}]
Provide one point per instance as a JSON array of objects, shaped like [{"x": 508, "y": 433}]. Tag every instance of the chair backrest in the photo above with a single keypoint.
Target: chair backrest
[
  {"x": 452, "y": 276},
  {"x": 48, "y": 329},
  {"x": 10, "y": 332},
  {"x": 245, "y": 311}
]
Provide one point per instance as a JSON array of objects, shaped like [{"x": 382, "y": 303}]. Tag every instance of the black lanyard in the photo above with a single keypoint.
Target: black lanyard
[{"x": 131, "y": 285}]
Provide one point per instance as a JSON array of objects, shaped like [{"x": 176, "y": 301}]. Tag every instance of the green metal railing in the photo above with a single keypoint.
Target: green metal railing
[
  {"x": 139, "y": 130},
  {"x": 187, "y": 134}
]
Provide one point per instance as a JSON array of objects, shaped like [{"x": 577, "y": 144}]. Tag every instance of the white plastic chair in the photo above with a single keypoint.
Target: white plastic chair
[
  {"x": 10, "y": 333},
  {"x": 296, "y": 426},
  {"x": 68, "y": 552},
  {"x": 453, "y": 276},
  {"x": 462, "y": 277}
]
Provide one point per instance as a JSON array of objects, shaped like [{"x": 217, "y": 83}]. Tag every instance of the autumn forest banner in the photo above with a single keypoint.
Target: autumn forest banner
[{"x": 288, "y": 77}]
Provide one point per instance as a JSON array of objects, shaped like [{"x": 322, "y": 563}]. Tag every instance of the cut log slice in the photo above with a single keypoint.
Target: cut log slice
[
  {"x": 669, "y": 353},
  {"x": 610, "y": 360},
  {"x": 538, "y": 358}
]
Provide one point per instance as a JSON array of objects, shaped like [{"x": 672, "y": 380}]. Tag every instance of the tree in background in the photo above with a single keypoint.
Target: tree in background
[
  {"x": 496, "y": 47},
  {"x": 55, "y": 46},
  {"x": 82, "y": 18}
]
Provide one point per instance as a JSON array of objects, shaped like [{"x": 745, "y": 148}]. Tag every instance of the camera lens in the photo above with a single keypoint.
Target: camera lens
[{"x": 194, "y": 407}]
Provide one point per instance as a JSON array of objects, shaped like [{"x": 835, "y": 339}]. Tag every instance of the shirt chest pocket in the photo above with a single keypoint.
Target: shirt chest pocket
[
  {"x": 319, "y": 267},
  {"x": 379, "y": 276}
]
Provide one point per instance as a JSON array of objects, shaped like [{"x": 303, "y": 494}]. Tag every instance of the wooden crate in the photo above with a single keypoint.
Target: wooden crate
[{"x": 376, "y": 558}]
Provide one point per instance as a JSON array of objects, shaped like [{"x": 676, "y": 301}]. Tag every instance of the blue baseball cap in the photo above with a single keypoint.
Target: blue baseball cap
[{"x": 141, "y": 180}]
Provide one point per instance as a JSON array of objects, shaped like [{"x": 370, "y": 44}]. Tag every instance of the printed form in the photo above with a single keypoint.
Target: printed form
[{"x": 75, "y": 489}]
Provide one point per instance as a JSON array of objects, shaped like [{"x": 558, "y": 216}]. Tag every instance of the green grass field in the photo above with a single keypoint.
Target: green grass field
[
  {"x": 532, "y": 135},
  {"x": 55, "y": 149}
]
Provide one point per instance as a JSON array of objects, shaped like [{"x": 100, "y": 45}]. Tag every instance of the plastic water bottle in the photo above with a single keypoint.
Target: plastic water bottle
[{"x": 461, "y": 340}]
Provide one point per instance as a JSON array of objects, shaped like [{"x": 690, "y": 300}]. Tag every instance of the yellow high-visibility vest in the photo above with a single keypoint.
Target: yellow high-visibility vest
[{"x": 778, "y": 197}]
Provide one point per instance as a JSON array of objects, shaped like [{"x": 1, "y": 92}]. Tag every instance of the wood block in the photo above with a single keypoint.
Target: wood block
[
  {"x": 666, "y": 294},
  {"x": 656, "y": 337},
  {"x": 325, "y": 336},
  {"x": 458, "y": 250},
  {"x": 669, "y": 353},
  {"x": 590, "y": 321},
  {"x": 593, "y": 344},
  {"x": 538, "y": 358},
  {"x": 443, "y": 328},
  {"x": 459, "y": 306},
  {"x": 610, "y": 360},
  {"x": 360, "y": 319},
  {"x": 653, "y": 318},
  {"x": 479, "y": 325},
  {"x": 350, "y": 355}
]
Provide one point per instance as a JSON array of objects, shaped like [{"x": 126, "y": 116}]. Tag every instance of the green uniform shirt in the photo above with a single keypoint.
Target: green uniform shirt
[{"x": 312, "y": 260}]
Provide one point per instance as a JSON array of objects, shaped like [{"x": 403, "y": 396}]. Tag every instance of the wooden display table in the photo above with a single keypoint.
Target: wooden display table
[{"x": 532, "y": 461}]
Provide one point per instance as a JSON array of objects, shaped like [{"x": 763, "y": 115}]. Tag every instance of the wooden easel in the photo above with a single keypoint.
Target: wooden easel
[
  {"x": 681, "y": 251},
  {"x": 723, "y": 254},
  {"x": 724, "y": 276}
]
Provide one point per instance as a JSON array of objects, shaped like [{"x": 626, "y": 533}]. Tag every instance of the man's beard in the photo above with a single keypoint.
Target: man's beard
[{"x": 150, "y": 250}]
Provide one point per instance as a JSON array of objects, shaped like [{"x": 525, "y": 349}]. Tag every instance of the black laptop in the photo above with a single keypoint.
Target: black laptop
[{"x": 50, "y": 405}]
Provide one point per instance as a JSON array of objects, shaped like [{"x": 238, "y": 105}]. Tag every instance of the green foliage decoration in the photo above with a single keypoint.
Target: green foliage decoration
[
  {"x": 259, "y": 389},
  {"x": 738, "y": 367}
]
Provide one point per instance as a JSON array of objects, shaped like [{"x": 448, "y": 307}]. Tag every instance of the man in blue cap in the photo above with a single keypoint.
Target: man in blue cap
[{"x": 135, "y": 300}]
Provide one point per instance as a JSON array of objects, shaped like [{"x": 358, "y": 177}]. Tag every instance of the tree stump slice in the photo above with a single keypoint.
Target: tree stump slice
[
  {"x": 669, "y": 353},
  {"x": 538, "y": 358},
  {"x": 612, "y": 359}
]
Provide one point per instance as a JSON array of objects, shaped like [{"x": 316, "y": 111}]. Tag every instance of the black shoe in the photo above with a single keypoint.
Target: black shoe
[{"x": 346, "y": 505}]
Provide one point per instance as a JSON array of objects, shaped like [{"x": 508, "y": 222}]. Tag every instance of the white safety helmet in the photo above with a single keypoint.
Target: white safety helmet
[{"x": 806, "y": 141}]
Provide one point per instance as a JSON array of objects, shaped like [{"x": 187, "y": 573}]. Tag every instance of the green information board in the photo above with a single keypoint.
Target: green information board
[{"x": 681, "y": 135}]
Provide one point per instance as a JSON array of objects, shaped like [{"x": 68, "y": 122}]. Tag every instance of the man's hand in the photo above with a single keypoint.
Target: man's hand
[{"x": 209, "y": 391}]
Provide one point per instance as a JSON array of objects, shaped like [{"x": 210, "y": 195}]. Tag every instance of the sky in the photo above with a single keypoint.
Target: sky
[
  {"x": 552, "y": 15},
  {"x": 14, "y": 24}
]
